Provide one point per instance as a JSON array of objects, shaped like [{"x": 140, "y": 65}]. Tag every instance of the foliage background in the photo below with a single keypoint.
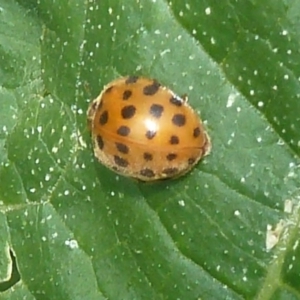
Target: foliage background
[{"x": 77, "y": 230}]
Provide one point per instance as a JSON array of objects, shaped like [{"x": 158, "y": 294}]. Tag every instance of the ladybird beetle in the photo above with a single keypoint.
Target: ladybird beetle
[{"x": 143, "y": 130}]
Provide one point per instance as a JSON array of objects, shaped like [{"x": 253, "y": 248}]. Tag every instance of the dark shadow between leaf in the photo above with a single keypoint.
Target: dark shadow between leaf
[
  {"x": 110, "y": 180},
  {"x": 15, "y": 275}
]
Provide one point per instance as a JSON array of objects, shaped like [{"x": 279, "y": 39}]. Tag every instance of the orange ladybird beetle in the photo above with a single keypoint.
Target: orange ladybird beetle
[{"x": 143, "y": 130}]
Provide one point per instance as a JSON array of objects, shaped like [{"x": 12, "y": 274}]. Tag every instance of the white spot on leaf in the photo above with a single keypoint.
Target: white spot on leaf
[
  {"x": 272, "y": 236},
  {"x": 181, "y": 203},
  {"x": 72, "y": 244},
  {"x": 207, "y": 11}
]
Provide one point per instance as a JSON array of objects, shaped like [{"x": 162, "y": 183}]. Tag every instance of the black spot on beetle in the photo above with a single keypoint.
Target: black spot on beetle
[
  {"x": 174, "y": 140},
  {"x": 170, "y": 171},
  {"x": 108, "y": 90},
  {"x": 156, "y": 110},
  {"x": 151, "y": 89},
  {"x": 150, "y": 134},
  {"x": 147, "y": 173},
  {"x": 122, "y": 148},
  {"x": 126, "y": 95},
  {"x": 131, "y": 79},
  {"x": 128, "y": 111},
  {"x": 196, "y": 132},
  {"x": 148, "y": 156},
  {"x": 176, "y": 101},
  {"x": 123, "y": 131},
  {"x": 171, "y": 156},
  {"x": 94, "y": 105},
  {"x": 191, "y": 160},
  {"x": 100, "y": 142},
  {"x": 103, "y": 118},
  {"x": 121, "y": 162},
  {"x": 178, "y": 120}
]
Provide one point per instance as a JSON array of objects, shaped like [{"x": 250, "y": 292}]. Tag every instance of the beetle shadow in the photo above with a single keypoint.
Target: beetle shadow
[
  {"x": 152, "y": 189},
  {"x": 113, "y": 183}
]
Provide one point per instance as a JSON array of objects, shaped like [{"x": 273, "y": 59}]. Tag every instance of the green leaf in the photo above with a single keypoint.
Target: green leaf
[{"x": 226, "y": 230}]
